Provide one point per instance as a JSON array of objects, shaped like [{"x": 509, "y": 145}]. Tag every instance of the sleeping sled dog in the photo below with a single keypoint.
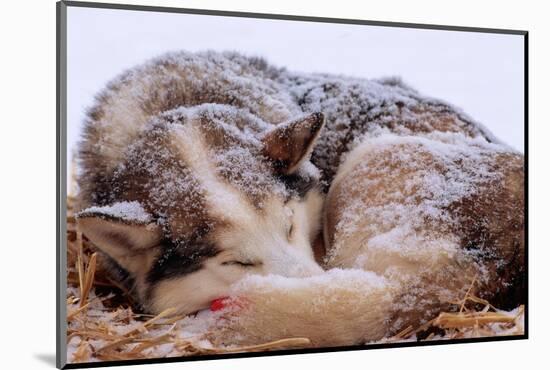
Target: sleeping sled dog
[{"x": 340, "y": 209}]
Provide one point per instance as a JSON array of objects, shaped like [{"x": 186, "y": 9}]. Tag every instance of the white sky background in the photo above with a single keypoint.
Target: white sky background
[{"x": 481, "y": 73}]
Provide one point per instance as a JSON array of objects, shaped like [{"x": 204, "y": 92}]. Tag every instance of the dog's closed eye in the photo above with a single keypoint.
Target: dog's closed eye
[{"x": 245, "y": 263}]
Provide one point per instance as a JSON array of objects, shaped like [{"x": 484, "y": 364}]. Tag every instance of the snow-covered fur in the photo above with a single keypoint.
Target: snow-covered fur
[
  {"x": 195, "y": 172},
  {"x": 336, "y": 308},
  {"x": 431, "y": 214},
  {"x": 353, "y": 108},
  {"x": 357, "y": 108}
]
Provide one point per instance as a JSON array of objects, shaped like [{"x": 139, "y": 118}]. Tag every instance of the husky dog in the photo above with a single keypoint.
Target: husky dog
[
  {"x": 199, "y": 170},
  {"x": 187, "y": 183}
]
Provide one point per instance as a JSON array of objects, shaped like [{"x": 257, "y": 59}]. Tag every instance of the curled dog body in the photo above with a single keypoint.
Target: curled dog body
[{"x": 200, "y": 171}]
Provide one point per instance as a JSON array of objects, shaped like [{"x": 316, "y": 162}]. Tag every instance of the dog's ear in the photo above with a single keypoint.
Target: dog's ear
[
  {"x": 290, "y": 143},
  {"x": 119, "y": 236}
]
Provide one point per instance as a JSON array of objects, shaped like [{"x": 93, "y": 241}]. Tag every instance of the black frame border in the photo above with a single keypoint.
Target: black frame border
[{"x": 61, "y": 175}]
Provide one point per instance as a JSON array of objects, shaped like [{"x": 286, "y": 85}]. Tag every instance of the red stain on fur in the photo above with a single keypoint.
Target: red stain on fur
[
  {"x": 234, "y": 303},
  {"x": 219, "y": 303}
]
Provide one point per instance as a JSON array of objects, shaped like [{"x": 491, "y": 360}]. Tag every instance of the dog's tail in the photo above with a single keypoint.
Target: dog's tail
[{"x": 339, "y": 307}]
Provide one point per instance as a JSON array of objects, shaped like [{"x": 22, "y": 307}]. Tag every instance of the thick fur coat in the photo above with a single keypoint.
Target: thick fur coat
[{"x": 226, "y": 157}]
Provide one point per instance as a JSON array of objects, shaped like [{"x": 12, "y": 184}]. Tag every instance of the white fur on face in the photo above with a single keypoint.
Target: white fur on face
[
  {"x": 274, "y": 240},
  {"x": 279, "y": 239}
]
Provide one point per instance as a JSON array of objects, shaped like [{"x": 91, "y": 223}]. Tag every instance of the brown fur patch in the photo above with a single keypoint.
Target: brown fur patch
[{"x": 492, "y": 221}]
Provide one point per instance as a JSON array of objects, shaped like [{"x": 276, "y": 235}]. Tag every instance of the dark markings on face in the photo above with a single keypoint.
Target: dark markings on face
[
  {"x": 299, "y": 184},
  {"x": 180, "y": 258}
]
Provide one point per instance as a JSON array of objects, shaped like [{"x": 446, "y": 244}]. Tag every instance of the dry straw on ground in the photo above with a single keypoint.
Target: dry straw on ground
[{"x": 103, "y": 326}]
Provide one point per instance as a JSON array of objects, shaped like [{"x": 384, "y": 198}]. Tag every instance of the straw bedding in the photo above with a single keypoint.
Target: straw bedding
[{"x": 102, "y": 325}]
